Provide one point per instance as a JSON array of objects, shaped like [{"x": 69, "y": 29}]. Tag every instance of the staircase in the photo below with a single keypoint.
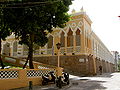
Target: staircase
[{"x": 20, "y": 62}]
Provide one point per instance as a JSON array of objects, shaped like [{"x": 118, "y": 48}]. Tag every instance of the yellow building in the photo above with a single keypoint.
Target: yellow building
[{"x": 82, "y": 52}]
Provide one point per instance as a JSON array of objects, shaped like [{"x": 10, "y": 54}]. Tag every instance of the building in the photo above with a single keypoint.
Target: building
[
  {"x": 81, "y": 53},
  {"x": 116, "y": 59}
]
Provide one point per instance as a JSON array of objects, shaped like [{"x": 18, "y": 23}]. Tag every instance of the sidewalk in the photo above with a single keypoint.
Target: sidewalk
[
  {"x": 46, "y": 87},
  {"x": 106, "y": 81}
]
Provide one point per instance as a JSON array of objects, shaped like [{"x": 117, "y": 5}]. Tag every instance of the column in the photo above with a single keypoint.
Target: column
[
  {"x": 11, "y": 48},
  {"x": 66, "y": 43},
  {"x": 83, "y": 49},
  {"x": 1, "y": 48}
]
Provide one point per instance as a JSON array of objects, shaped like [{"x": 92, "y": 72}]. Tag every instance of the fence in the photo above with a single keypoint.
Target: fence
[{"x": 16, "y": 78}]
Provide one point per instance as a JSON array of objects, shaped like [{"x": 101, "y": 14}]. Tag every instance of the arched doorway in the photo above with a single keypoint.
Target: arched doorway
[
  {"x": 62, "y": 41},
  {"x": 70, "y": 41},
  {"x": 78, "y": 41},
  {"x": 70, "y": 38}
]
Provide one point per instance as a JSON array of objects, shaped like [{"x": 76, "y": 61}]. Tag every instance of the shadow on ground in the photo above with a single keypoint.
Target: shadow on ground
[
  {"x": 86, "y": 84},
  {"x": 79, "y": 84},
  {"x": 82, "y": 84},
  {"x": 105, "y": 75}
]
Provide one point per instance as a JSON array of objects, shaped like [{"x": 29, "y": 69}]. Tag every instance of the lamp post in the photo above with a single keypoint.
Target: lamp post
[
  {"x": 58, "y": 47},
  {"x": 59, "y": 69}
]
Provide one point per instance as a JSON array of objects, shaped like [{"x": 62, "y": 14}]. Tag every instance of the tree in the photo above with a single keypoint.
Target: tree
[
  {"x": 4, "y": 32},
  {"x": 31, "y": 22}
]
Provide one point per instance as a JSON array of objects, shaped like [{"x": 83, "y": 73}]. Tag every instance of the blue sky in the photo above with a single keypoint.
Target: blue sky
[{"x": 104, "y": 15}]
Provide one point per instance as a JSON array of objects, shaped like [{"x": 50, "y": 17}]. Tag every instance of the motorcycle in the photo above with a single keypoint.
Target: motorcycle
[
  {"x": 62, "y": 80},
  {"x": 48, "y": 78}
]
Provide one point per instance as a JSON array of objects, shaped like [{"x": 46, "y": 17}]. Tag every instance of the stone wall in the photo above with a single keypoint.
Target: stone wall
[
  {"x": 82, "y": 65},
  {"x": 69, "y": 63}
]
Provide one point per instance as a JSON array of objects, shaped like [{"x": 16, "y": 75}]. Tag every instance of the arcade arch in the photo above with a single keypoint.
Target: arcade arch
[
  {"x": 78, "y": 38},
  {"x": 6, "y": 49},
  {"x": 50, "y": 42},
  {"x": 70, "y": 38},
  {"x": 62, "y": 39}
]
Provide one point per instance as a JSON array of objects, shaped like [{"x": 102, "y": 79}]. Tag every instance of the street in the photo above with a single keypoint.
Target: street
[{"x": 107, "y": 81}]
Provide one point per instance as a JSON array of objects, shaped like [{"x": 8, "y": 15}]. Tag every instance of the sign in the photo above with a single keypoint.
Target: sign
[{"x": 81, "y": 60}]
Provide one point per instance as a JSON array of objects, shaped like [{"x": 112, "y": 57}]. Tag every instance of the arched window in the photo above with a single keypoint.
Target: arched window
[
  {"x": 50, "y": 41},
  {"x": 62, "y": 39},
  {"x": 78, "y": 38},
  {"x": 70, "y": 38}
]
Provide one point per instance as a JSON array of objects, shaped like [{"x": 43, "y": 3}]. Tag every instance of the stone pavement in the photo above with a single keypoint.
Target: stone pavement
[{"x": 107, "y": 81}]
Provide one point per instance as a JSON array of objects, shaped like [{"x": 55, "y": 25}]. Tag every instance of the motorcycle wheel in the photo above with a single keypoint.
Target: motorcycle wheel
[
  {"x": 68, "y": 82},
  {"x": 60, "y": 83}
]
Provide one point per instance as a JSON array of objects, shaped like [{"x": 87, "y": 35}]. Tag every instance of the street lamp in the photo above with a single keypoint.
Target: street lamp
[
  {"x": 58, "y": 47},
  {"x": 59, "y": 70}
]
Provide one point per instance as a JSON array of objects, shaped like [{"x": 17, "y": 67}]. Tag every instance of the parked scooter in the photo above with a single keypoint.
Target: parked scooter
[
  {"x": 48, "y": 78},
  {"x": 66, "y": 78},
  {"x": 62, "y": 80}
]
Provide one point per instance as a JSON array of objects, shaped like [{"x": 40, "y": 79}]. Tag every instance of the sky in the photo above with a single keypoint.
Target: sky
[{"x": 104, "y": 15}]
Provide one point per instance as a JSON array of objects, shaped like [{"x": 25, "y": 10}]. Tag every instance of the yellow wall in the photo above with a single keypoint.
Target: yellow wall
[
  {"x": 21, "y": 81},
  {"x": 20, "y": 77}
]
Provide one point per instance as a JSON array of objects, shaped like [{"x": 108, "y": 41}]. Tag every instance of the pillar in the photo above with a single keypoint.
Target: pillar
[{"x": 65, "y": 43}]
